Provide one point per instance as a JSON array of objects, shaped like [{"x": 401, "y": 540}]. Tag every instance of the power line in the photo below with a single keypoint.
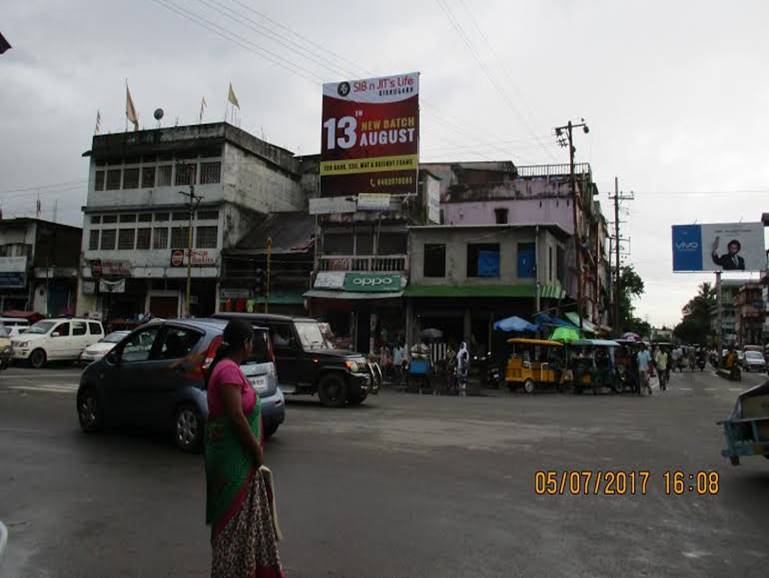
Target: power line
[
  {"x": 488, "y": 73},
  {"x": 38, "y": 187}
]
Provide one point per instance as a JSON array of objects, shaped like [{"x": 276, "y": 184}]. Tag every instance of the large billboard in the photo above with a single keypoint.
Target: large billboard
[
  {"x": 719, "y": 247},
  {"x": 370, "y": 136}
]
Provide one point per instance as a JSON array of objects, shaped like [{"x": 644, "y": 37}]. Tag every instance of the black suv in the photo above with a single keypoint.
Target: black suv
[{"x": 308, "y": 364}]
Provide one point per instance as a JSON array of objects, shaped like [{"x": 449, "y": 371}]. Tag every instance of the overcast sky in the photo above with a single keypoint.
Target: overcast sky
[{"x": 676, "y": 93}]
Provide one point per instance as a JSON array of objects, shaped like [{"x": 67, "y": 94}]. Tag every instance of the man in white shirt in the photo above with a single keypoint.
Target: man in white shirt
[{"x": 644, "y": 363}]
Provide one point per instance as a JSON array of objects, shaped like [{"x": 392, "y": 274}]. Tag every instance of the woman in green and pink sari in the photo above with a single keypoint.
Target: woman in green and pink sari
[{"x": 238, "y": 498}]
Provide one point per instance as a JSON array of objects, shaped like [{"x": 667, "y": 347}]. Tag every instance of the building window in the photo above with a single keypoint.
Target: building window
[
  {"x": 206, "y": 237},
  {"x": 337, "y": 244},
  {"x": 164, "y": 175},
  {"x": 500, "y": 215},
  {"x": 185, "y": 174},
  {"x": 208, "y": 215},
  {"x": 483, "y": 260},
  {"x": 95, "y": 219},
  {"x": 210, "y": 173},
  {"x": 179, "y": 238},
  {"x": 113, "y": 179},
  {"x": 93, "y": 240},
  {"x": 364, "y": 243},
  {"x": 148, "y": 177},
  {"x": 109, "y": 219},
  {"x": 130, "y": 218},
  {"x": 98, "y": 183},
  {"x": 550, "y": 264},
  {"x": 434, "y": 260},
  {"x": 160, "y": 238},
  {"x": 126, "y": 238},
  {"x": 393, "y": 244},
  {"x": 145, "y": 217},
  {"x": 527, "y": 263},
  {"x": 5, "y": 250},
  {"x": 131, "y": 178},
  {"x": 108, "y": 239},
  {"x": 143, "y": 238},
  {"x": 180, "y": 217},
  {"x": 161, "y": 217},
  {"x": 23, "y": 250}
]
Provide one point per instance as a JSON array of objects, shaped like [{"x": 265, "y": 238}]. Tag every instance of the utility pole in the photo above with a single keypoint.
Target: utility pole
[
  {"x": 193, "y": 203},
  {"x": 569, "y": 127},
  {"x": 269, "y": 273},
  {"x": 617, "y": 198}
]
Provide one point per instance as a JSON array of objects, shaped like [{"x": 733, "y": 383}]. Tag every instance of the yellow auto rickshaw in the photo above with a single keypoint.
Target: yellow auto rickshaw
[{"x": 534, "y": 363}]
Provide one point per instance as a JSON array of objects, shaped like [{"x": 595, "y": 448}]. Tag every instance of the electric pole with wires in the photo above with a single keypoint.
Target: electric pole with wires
[
  {"x": 617, "y": 241},
  {"x": 193, "y": 201},
  {"x": 568, "y": 140}
]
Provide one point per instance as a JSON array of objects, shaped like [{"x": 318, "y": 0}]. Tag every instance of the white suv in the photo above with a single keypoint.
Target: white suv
[{"x": 56, "y": 339}]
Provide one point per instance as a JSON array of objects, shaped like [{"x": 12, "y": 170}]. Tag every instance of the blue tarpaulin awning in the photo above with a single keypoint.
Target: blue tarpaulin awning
[
  {"x": 545, "y": 319},
  {"x": 515, "y": 323}
]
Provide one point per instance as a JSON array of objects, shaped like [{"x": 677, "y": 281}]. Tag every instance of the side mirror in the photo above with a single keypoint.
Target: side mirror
[{"x": 112, "y": 358}]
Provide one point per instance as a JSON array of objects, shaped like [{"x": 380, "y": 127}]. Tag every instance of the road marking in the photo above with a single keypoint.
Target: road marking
[
  {"x": 685, "y": 388},
  {"x": 51, "y": 388},
  {"x": 712, "y": 388}
]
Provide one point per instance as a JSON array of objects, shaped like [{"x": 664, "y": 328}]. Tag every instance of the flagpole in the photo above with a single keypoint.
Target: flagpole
[{"x": 126, "y": 92}]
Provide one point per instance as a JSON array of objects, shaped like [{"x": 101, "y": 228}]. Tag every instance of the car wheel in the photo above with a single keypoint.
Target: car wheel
[
  {"x": 529, "y": 386},
  {"x": 332, "y": 390},
  {"x": 188, "y": 429},
  {"x": 357, "y": 398},
  {"x": 89, "y": 410},
  {"x": 270, "y": 430},
  {"x": 37, "y": 358}
]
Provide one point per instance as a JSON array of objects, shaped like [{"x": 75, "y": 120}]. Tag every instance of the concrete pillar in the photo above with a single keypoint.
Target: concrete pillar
[
  {"x": 467, "y": 326},
  {"x": 409, "y": 323}
]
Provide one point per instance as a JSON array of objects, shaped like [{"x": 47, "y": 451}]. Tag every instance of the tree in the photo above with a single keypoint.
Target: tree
[
  {"x": 695, "y": 324},
  {"x": 632, "y": 287}
]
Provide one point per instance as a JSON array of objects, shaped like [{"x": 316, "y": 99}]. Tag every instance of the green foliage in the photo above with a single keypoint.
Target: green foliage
[
  {"x": 695, "y": 325},
  {"x": 632, "y": 288}
]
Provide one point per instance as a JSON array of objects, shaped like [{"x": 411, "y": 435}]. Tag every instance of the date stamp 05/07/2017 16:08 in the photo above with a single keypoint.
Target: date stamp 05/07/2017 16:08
[{"x": 625, "y": 482}]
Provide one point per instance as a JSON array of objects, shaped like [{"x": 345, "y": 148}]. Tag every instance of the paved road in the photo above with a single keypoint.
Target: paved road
[{"x": 404, "y": 486}]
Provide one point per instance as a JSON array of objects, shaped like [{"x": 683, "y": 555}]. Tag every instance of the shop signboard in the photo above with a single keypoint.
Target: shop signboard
[
  {"x": 433, "y": 188},
  {"x": 115, "y": 267},
  {"x": 719, "y": 247},
  {"x": 370, "y": 136},
  {"x": 200, "y": 258},
  {"x": 13, "y": 272},
  {"x": 373, "y": 202},
  {"x": 112, "y": 286},
  {"x": 332, "y": 205},
  {"x": 372, "y": 282},
  {"x": 329, "y": 280}
]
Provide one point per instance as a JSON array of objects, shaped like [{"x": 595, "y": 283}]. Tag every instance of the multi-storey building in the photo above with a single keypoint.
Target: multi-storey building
[
  {"x": 749, "y": 318},
  {"x": 38, "y": 266},
  {"x": 137, "y": 215}
]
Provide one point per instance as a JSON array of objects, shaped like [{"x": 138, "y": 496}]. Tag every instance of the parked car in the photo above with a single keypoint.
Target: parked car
[
  {"x": 14, "y": 325},
  {"x": 308, "y": 363},
  {"x": 102, "y": 347},
  {"x": 56, "y": 340},
  {"x": 153, "y": 379},
  {"x": 754, "y": 361},
  {"x": 6, "y": 351}
]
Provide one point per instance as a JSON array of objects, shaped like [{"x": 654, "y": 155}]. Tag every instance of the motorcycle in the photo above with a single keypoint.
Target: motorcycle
[{"x": 701, "y": 363}]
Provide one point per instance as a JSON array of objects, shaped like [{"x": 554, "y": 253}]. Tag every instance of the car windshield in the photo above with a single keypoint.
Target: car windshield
[
  {"x": 41, "y": 327},
  {"x": 311, "y": 336},
  {"x": 4, "y": 331},
  {"x": 115, "y": 337},
  {"x": 754, "y": 355}
]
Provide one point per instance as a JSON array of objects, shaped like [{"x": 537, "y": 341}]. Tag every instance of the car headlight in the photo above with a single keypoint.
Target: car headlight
[
  {"x": 22, "y": 344},
  {"x": 352, "y": 365}
]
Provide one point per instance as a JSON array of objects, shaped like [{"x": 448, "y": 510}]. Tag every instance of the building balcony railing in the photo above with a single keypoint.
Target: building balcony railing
[{"x": 372, "y": 263}]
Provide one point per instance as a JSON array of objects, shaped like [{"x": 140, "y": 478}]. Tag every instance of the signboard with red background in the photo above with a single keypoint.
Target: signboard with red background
[{"x": 370, "y": 136}]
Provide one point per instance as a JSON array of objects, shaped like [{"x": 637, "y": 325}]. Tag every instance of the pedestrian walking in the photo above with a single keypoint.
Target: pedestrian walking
[
  {"x": 399, "y": 360},
  {"x": 644, "y": 365},
  {"x": 239, "y": 495},
  {"x": 663, "y": 368},
  {"x": 463, "y": 368}
]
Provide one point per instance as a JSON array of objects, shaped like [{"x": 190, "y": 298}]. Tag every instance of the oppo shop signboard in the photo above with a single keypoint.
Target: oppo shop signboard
[{"x": 372, "y": 282}]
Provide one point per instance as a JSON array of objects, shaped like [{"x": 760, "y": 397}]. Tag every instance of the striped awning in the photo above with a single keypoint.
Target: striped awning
[{"x": 552, "y": 291}]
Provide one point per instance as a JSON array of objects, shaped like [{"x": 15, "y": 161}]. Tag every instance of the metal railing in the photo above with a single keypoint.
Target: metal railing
[
  {"x": 372, "y": 263},
  {"x": 557, "y": 170}
]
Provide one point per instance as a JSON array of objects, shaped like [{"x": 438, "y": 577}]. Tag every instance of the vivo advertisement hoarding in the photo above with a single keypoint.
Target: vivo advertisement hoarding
[{"x": 719, "y": 247}]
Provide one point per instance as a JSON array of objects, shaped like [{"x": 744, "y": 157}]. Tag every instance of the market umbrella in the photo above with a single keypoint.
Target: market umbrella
[
  {"x": 515, "y": 323},
  {"x": 565, "y": 334},
  {"x": 630, "y": 336},
  {"x": 431, "y": 334}
]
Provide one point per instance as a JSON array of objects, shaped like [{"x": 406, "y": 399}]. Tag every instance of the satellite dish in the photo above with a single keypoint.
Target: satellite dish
[{"x": 158, "y": 113}]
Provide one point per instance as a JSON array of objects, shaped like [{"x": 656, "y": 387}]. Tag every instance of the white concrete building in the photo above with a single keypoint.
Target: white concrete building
[{"x": 135, "y": 231}]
